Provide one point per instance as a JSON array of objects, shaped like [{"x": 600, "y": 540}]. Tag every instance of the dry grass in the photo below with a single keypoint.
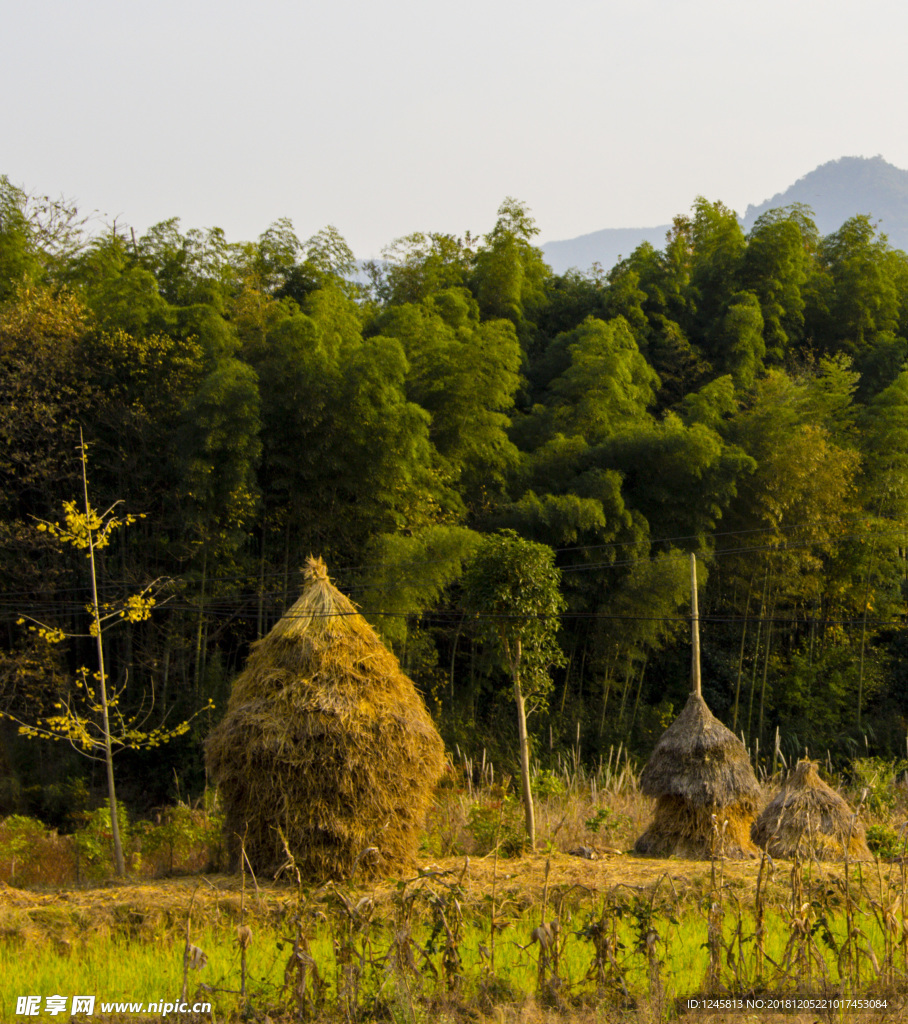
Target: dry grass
[{"x": 136, "y": 908}]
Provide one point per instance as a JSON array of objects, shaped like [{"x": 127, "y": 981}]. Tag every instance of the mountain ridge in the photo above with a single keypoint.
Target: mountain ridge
[{"x": 835, "y": 190}]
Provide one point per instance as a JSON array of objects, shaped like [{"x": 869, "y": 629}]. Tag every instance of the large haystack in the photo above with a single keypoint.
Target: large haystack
[
  {"x": 807, "y": 818},
  {"x": 698, "y": 770},
  {"x": 326, "y": 740},
  {"x": 705, "y": 789}
]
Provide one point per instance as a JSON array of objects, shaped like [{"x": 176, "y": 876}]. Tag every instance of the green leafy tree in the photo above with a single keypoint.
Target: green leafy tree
[
  {"x": 509, "y": 272},
  {"x": 717, "y": 251},
  {"x": 680, "y": 478},
  {"x": 512, "y": 586},
  {"x": 40, "y": 238},
  {"x": 192, "y": 268},
  {"x": 779, "y": 256},
  {"x": 607, "y": 385},
  {"x": 884, "y": 485},
  {"x": 465, "y": 375},
  {"x": 409, "y": 573},
  {"x": 855, "y": 300},
  {"x": 43, "y": 395},
  {"x": 19, "y": 261},
  {"x": 346, "y": 454},
  {"x": 736, "y": 341},
  {"x": 640, "y": 612},
  {"x": 419, "y": 265},
  {"x": 680, "y": 366}
]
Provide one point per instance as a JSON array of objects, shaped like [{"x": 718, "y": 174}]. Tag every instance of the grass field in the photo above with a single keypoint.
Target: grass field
[{"x": 473, "y": 934}]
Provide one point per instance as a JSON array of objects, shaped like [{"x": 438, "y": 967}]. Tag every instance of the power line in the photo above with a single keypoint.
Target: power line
[
  {"x": 222, "y": 610},
  {"x": 358, "y": 586}
]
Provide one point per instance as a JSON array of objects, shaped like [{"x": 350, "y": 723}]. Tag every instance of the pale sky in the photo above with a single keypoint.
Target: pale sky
[{"x": 387, "y": 118}]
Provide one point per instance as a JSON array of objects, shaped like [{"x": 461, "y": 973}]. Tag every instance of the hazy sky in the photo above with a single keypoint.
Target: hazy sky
[{"x": 387, "y": 118}]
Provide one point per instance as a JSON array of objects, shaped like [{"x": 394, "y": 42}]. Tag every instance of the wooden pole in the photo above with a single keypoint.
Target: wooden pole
[{"x": 694, "y": 628}]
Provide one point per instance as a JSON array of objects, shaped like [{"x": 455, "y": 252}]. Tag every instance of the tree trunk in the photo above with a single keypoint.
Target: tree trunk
[
  {"x": 627, "y": 682},
  {"x": 864, "y": 633},
  {"x": 734, "y": 726},
  {"x": 102, "y": 680},
  {"x": 200, "y": 627},
  {"x": 639, "y": 691},
  {"x": 753, "y": 677},
  {"x": 454, "y": 656},
  {"x": 260, "y": 611},
  {"x": 772, "y": 611},
  {"x": 529, "y": 811},
  {"x": 607, "y": 683}
]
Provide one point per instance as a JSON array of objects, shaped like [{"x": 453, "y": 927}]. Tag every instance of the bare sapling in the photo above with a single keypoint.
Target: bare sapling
[{"x": 91, "y": 719}]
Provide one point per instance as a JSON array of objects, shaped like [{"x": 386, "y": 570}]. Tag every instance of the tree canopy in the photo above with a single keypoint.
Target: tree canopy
[{"x": 740, "y": 396}]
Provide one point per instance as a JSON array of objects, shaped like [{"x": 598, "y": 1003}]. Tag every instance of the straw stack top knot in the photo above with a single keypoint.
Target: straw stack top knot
[{"x": 316, "y": 570}]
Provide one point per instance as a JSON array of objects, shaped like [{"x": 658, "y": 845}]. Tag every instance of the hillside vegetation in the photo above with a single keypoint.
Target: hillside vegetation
[{"x": 744, "y": 397}]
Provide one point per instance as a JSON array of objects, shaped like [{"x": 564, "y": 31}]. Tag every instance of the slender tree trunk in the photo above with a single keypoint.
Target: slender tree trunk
[
  {"x": 165, "y": 672},
  {"x": 102, "y": 680},
  {"x": 529, "y": 811},
  {"x": 864, "y": 636},
  {"x": 772, "y": 611},
  {"x": 734, "y": 727},
  {"x": 607, "y": 682},
  {"x": 472, "y": 679},
  {"x": 260, "y": 612},
  {"x": 753, "y": 676},
  {"x": 639, "y": 691},
  {"x": 454, "y": 655},
  {"x": 286, "y": 564},
  {"x": 627, "y": 683},
  {"x": 567, "y": 677},
  {"x": 580, "y": 678},
  {"x": 200, "y": 627}
]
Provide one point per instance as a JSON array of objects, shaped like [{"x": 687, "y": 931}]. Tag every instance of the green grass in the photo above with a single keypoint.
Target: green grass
[{"x": 114, "y": 968}]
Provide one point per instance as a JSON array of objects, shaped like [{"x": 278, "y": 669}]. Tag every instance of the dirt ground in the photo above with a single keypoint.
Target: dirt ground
[{"x": 525, "y": 880}]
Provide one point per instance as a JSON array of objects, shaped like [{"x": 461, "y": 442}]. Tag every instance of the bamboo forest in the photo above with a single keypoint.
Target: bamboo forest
[{"x": 239, "y": 406}]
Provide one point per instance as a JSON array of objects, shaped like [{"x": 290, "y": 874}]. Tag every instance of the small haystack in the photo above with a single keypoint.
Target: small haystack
[
  {"x": 698, "y": 770},
  {"x": 326, "y": 741},
  {"x": 705, "y": 789},
  {"x": 807, "y": 818}
]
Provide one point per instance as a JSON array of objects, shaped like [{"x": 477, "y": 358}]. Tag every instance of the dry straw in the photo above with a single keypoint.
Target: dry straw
[
  {"x": 325, "y": 745},
  {"x": 705, "y": 789},
  {"x": 807, "y": 818}
]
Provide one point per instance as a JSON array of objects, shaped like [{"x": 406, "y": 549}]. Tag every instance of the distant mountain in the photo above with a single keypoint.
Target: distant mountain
[
  {"x": 835, "y": 191},
  {"x": 840, "y": 189},
  {"x": 605, "y": 247}
]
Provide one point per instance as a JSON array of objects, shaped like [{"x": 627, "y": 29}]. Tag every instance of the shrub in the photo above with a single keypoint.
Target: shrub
[
  {"x": 184, "y": 834},
  {"x": 497, "y": 823},
  {"x": 885, "y": 841},
  {"x": 608, "y": 822},
  {"x": 878, "y": 776},
  {"x": 94, "y": 842},
  {"x": 546, "y": 783},
  {"x": 19, "y": 842}
]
